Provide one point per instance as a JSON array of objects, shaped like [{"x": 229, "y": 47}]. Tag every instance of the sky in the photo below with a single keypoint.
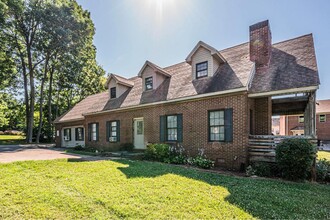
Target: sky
[{"x": 129, "y": 32}]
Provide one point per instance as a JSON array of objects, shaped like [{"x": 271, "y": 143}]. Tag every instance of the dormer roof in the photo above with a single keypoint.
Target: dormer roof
[
  {"x": 214, "y": 52},
  {"x": 156, "y": 68},
  {"x": 120, "y": 80}
]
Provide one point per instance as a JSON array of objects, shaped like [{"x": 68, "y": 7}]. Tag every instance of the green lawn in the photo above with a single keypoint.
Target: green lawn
[
  {"x": 69, "y": 189},
  {"x": 11, "y": 139},
  {"x": 323, "y": 155}
]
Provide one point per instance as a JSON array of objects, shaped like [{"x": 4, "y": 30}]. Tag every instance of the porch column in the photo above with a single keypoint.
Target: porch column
[{"x": 310, "y": 116}]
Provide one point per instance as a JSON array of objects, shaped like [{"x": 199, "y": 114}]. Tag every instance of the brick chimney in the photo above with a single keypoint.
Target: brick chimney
[{"x": 260, "y": 44}]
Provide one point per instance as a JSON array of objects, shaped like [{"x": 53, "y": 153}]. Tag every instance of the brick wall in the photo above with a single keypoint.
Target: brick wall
[
  {"x": 293, "y": 121},
  {"x": 323, "y": 128},
  {"x": 58, "y": 127},
  {"x": 260, "y": 44},
  {"x": 263, "y": 116},
  {"x": 195, "y": 127}
]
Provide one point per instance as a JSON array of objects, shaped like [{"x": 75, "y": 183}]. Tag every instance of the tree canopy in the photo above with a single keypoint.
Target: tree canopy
[{"x": 47, "y": 52}]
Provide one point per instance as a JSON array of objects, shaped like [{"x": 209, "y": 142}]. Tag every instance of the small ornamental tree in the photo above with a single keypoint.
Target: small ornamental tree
[{"x": 295, "y": 158}]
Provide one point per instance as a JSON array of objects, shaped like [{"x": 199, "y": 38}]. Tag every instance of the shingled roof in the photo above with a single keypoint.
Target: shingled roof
[{"x": 292, "y": 65}]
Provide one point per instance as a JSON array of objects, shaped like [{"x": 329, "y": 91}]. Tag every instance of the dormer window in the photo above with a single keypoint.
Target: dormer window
[
  {"x": 148, "y": 83},
  {"x": 201, "y": 69},
  {"x": 113, "y": 92}
]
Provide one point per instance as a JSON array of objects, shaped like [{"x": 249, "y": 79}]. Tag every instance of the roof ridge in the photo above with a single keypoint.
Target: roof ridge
[
  {"x": 228, "y": 48},
  {"x": 175, "y": 65}
]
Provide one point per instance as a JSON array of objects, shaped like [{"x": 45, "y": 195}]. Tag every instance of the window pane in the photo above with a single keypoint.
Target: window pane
[
  {"x": 139, "y": 126},
  {"x": 114, "y": 123},
  {"x": 172, "y": 134},
  {"x": 148, "y": 83},
  {"x": 94, "y": 136},
  {"x": 113, "y": 134},
  {"x": 172, "y": 121},
  {"x": 202, "y": 73},
  {"x": 113, "y": 92},
  {"x": 94, "y": 127}
]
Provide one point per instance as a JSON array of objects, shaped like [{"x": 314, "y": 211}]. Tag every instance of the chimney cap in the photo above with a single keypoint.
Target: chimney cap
[{"x": 259, "y": 25}]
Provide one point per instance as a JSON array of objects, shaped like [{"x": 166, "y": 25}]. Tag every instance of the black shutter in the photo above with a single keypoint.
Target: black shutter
[
  {"x": 118, "y": 131},
  {"x": 97, "y": 131},
  {"x": 108, "y": 130},
  {"x": 76, "y": 133},
  {"x": 69, "y": 134},
  {"x": 89, "y": 132},
  {"x": 180, "y": 128},
  {"x": 82, "y": 133},
  {"x": 229, "y": 125},
  {"x": 162, "y": 125}
]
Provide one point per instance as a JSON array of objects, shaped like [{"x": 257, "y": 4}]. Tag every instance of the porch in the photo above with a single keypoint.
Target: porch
[{"x": 262, "y": 142}]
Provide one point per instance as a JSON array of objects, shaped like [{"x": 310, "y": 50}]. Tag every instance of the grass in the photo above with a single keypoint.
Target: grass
[
  {"x": 11, "y": 139},
  {"x": 323, "y": 155},
  {"x": 69, "y": 189}
]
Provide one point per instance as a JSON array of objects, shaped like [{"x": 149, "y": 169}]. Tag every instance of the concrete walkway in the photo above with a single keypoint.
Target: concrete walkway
[{"x": 12, "y": 153}]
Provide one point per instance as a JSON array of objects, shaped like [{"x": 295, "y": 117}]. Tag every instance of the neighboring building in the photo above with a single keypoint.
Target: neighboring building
[
  {"x": 214, "y": 100},
  {"x": 276, "y": 125},
  {"x": 294, "y": 124}
]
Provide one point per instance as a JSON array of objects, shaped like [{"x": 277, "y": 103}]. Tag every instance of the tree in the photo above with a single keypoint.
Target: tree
[{"x": 50, "y": 44}]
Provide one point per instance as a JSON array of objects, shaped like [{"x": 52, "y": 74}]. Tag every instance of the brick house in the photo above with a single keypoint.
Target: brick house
[
  {"x": 213, "y": 100},
  {"x": 294, "y": 124}
]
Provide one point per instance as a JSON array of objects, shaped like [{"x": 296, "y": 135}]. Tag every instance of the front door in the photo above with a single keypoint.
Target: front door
[{"x": 139, "y": 133}]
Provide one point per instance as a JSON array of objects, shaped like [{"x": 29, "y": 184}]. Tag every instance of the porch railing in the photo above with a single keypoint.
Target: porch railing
[{"x": 263, "y": 147}]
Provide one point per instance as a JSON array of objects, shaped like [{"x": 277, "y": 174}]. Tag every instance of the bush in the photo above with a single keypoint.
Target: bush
[
  {"x": 323, "y": 170},
  {"x": 158, "y": 152},
  {"x": 294, "y": 158},
  {"x": 201, "y": 162},
  {"x": 175, "y": 154},
  {"x": 263, "y": 169},
  {"x": 127, "y": 147},
  {"x": 78, "y": 147},
  {"x": 13, "y": 132}
]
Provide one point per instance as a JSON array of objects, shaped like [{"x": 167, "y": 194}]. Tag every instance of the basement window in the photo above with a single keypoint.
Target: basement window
[
  {"x": 201, "y": 70},
  {"x": 322, "y": 118}
]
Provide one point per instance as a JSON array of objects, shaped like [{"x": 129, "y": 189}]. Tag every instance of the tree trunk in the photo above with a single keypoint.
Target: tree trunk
[
  {"x": 32, "y": 96},
  {"x": 50, "y": 90},
  {"x": 41, "y": 102},
  {"x": 26, "y": 96}
]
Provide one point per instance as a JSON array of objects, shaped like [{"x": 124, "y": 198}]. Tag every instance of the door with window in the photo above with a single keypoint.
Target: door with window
[{"x": 139, "y": 133}]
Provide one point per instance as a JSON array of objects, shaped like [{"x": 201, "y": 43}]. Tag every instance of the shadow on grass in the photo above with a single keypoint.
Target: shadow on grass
[{"x": 262, "y": 198}]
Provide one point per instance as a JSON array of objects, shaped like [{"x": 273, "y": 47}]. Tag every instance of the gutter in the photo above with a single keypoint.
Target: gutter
[
  {"x": 242, "y": 89},
  {"x": 283, "y": 92},
  {"x": 72, "y": 120}
]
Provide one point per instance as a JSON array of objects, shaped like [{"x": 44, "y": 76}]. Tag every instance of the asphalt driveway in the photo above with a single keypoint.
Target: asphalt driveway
[{"x": 11, "y": 153}]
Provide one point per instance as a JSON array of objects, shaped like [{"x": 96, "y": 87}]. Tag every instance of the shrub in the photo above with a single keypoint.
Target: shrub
[
  {"x": 262, "y": 169},
  {"x": 13, "y": 132},
  {"x": 323, "y": 170},
  {"x": 201, "y": 162},
  {"x": 294, "y": 158},
  {"x": 158, "y": 152},
  {"x": 78, "y": 147},
  {"x": 127, "y": 146},
  {"x": 176, "y": 155}
]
